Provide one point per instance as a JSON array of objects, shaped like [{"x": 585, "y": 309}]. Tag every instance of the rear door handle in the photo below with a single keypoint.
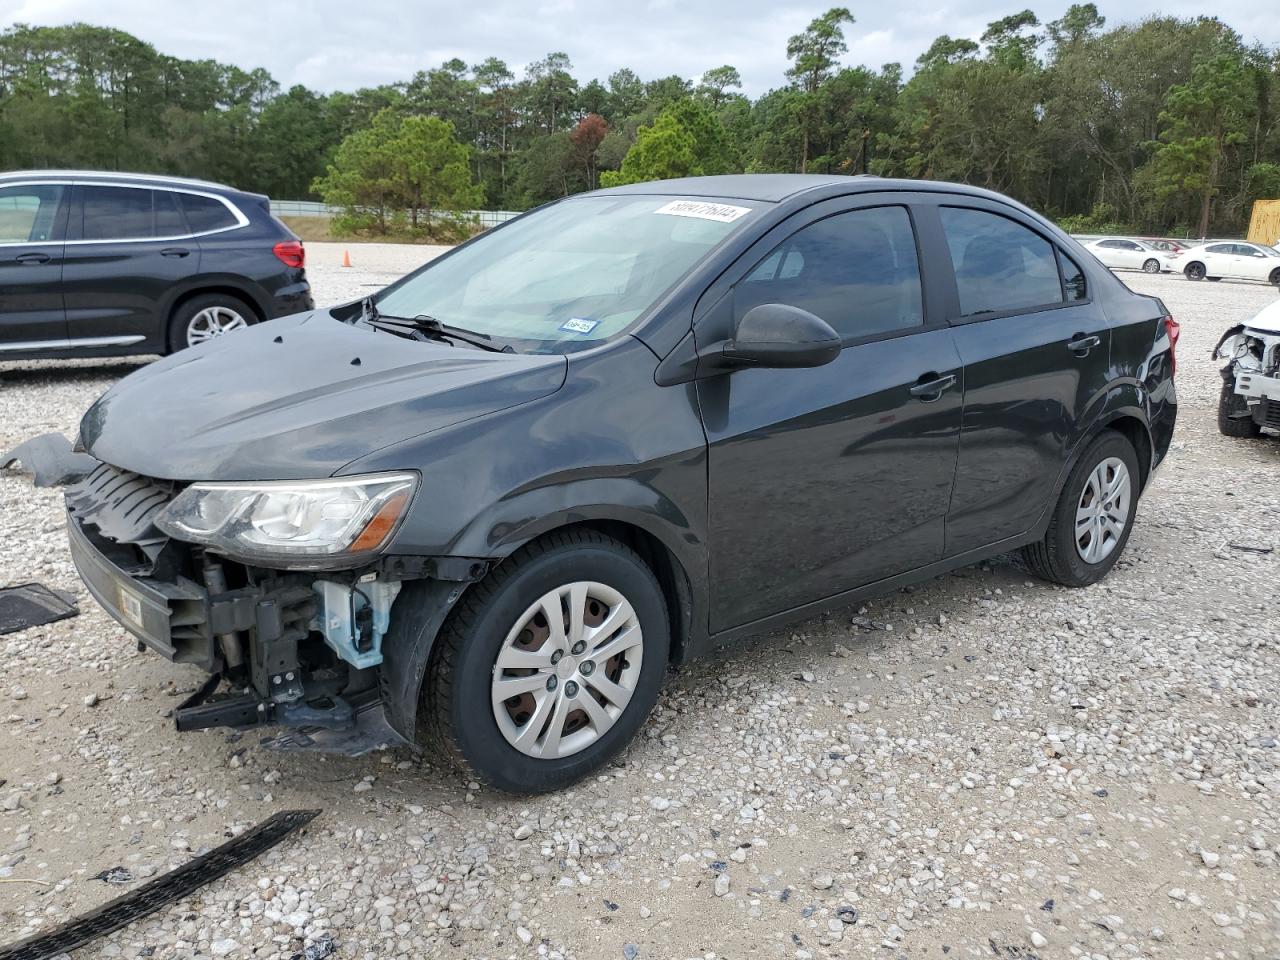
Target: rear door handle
[
  {"x": 33, "y": 258},
  {"x": 1081, "y": 344},
  {"x": 929, "y": 390},
  {"x": 175, "y": 252}
]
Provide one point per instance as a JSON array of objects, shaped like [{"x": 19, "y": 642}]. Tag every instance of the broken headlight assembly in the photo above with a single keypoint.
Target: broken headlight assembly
[{"x": 316, "y": 524}]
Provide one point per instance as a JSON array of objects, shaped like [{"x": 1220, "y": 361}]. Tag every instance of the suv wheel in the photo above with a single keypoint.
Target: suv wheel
[
  {"x": 547, "y": 668},
  {"x": 208, "y": 316},
  {"x": 1234, "y": 419},
  {"x": 1194, "y": 271},
  {"x": 1094, "y": 515},
  {"x": 1151, "y": 266}
]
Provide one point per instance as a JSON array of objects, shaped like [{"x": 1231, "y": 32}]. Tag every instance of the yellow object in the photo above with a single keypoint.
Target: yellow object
[{"x": 1264, "y": 226}]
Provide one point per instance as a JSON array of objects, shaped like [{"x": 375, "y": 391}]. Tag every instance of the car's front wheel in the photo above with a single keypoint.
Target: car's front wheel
[
  {"x": 207, "y": 316},
  {"x": 1093, "y": 517},
  {"x": 1151, "y": 266},
  {"x": 548, "y": 667}
]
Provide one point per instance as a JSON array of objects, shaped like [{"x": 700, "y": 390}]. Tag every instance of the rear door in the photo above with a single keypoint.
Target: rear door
[
  {"x": 1220, "y": 260},
  {"x": 32, "y": 220},
  {"x": 1035, "y": 351},
  {"x": 128, "y": 248},
  {"x": 824, "y": 479}
]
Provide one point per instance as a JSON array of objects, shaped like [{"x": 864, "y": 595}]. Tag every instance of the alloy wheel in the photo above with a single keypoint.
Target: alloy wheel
[
  {"x": 1151, "y": 266},
  {"x": 213, "y": 322},
  {"x": 1103, "y": 510},
  {"x": 567, "y": 669}
]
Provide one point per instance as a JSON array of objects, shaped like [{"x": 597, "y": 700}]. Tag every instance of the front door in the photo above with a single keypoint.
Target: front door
[
  {"x": 824, "y": 479},
  {"x": 1035, "y": 349},
  {"x": 32, "y": 218}
]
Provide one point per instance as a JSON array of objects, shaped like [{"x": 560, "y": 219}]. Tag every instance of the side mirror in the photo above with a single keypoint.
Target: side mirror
[{"x": 779, "y": 335}]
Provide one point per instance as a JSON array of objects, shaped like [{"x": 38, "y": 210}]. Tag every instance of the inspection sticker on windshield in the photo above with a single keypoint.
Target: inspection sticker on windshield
[
  {"x": 702, "y": 210},
  {"x": 579, "y": 325}
]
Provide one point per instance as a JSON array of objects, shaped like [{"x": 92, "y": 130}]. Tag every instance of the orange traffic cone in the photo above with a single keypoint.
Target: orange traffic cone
[{"x": 346, "y": 258}]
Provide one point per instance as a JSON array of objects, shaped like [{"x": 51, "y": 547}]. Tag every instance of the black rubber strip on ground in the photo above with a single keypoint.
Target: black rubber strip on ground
[{"x": 161, "y": 891}]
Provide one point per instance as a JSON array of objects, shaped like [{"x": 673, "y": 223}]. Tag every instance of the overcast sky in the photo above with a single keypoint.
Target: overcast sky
[{"x": 344, "y": 44}]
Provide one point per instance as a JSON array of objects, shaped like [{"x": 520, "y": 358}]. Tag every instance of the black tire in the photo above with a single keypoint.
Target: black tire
[
  {"x": 1056, "y": 558},
  {"x": 1194, "y": 270},
  {"x": 1234, "y": 419},
  {"x": 1274, "y": 279},
  {"x": 187, "y": 312},
  {"x": 1151, "y": 266},
  {"x": 457, "y": 714}
]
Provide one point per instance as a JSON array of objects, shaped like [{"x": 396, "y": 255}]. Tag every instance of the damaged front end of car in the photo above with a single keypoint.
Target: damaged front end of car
[
  {"x": 1251, "y": 376},
  {"x": 278, "y": 590}
]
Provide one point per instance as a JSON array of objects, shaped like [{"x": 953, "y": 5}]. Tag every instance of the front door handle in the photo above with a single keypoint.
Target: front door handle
[
  {"x": 928, "y": 390},
  {"x": 1081, "y": 344},
  {"x": 33, "y": 258},
  {"x": 175, "y": 252}
]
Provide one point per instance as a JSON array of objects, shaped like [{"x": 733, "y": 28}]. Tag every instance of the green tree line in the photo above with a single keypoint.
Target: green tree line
[{"x": 1167, "y": 125}]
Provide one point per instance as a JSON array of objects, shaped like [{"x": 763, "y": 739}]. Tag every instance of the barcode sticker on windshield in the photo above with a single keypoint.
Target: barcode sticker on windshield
[
  {"x": 579, "y": 325},
  {"x": 702, "y": 210}
]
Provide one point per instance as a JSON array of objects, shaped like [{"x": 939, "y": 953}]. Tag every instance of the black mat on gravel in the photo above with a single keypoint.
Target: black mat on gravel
[{"x": 31, "y": 605}]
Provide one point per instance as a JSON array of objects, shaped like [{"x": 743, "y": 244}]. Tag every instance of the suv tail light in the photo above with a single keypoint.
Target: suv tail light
[
  {"x": 290, "y": 253},
  {"x": 1174, "y": 330}
]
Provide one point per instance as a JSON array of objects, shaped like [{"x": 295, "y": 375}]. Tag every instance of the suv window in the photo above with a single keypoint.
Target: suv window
[
  {"x": 1000, "y": 265},
  {"x": 28, "y": 213},
  {"x": 1073, "y": 281},
  {"x": 117, "y": 213},
  {"x": 858, "y": 271},
  {"x": 206, "y": 213}
]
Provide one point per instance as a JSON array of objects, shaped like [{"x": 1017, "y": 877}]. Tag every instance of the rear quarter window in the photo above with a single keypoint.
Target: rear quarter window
[{"x": 205, "y": 214}]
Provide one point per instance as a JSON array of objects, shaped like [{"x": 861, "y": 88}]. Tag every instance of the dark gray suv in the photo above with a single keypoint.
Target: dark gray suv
[{"x": 108, "y": 264}]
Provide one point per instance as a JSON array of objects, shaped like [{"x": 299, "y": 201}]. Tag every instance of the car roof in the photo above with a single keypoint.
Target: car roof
[
  {"x": 778, "y": 187},
  {"x": 154, "y": 179}
]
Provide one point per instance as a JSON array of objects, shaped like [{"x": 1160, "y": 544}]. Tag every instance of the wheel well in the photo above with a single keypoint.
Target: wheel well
[
  {"x": 1133, "y": 430},
  {"x": 226, "y": 291},
  {"x": 672, "y": 577}
]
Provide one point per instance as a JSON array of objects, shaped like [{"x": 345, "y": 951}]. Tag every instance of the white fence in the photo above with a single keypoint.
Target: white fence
[{"x": 308, "y": 208}]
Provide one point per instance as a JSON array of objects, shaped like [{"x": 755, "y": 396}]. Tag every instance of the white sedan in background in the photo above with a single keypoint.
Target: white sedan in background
[
  {"x": 1121, "y": 253},
  {"x": 1235, "y": 259}
]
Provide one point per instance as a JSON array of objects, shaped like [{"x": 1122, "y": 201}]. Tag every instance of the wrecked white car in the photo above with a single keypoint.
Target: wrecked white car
[{"x": 1250, "y": 399}]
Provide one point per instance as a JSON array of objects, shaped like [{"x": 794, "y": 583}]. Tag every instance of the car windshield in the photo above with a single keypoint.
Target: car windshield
[{"x": 571, "y": 275}]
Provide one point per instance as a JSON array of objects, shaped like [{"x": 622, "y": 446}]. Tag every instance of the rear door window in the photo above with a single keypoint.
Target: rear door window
[
  {"x": 1000, "y": 265},
  {"x": 117, "y": 213},
  {"x": 29, "y": 213},
  {"x": 857, "y": 270},
  {"x": 206, "y": 214}
]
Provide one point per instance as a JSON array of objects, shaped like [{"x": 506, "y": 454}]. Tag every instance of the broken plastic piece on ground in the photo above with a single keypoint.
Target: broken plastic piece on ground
[
  {"x": 160, "y": 892},
  {"x": 50, "y": 460},
  {"x": 33, "y": 605},
  {"x": 114, "y": 875},
  {"x": 320, "y": 950}
]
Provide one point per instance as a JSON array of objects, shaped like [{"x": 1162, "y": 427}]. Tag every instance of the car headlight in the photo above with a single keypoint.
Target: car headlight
[{"x": 292, "y": 522}]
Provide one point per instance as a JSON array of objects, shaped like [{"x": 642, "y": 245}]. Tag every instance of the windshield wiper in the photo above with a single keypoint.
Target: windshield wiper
[{"x": 432, "y": 328}]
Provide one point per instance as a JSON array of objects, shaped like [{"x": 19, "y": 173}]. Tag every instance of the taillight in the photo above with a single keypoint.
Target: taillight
[
  {"x": 290, "y": 253},
  {"x": 1174, "y": 330}
]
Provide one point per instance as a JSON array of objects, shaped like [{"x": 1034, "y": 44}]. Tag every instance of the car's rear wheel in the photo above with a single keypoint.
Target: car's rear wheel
[
  {"x": 1234, "y": 419},
  {"x": 207, "y": 316},
  {"x": 1151, "y": 266},
  {"x": 1194, "y": 271},
  {"x": 547, "y": 668},
  {"x": 1093, "y": 517},
  {"x": 1275, "y": 277}
]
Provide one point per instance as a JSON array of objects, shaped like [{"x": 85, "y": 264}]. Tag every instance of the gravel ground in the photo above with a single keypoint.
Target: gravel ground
[{"x": 983, "y": 765}]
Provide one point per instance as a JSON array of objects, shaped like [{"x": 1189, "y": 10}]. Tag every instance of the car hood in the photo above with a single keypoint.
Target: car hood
[
  {"x": 299, "y": 398},
  {"x": 1268, "y": 319}
]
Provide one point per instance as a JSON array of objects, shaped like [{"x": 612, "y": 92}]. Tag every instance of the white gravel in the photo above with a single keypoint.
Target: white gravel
[{"x": 982, "y": 766}]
